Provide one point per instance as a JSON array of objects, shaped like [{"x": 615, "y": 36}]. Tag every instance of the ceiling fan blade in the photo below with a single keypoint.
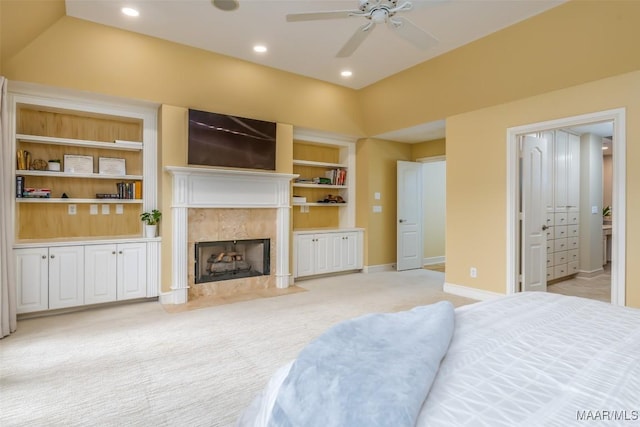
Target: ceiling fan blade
[
  {"x": 412, "y": 33},
  {"x": 356, "y": 40},
  {"x": 313, "y": 16}
]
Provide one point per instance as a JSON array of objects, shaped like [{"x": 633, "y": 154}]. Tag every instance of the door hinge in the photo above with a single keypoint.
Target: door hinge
[
  {"x": 521, "y": 216},
  {"x": 520, "y": 278}
]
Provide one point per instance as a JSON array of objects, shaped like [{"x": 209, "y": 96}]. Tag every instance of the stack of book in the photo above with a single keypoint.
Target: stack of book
[{"x": 36, "y": 193}]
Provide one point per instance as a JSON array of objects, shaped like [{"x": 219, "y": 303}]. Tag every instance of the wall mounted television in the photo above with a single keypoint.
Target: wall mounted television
[{"x": 229, "y": 141}]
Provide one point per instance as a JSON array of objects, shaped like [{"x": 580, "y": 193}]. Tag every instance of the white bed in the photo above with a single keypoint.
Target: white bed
[{"x": 530, "y": 359}]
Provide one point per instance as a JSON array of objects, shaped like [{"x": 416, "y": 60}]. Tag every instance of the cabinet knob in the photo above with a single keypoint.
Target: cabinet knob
[
  {"x": 44, "y": 257},
  {"x": 53, "y": 256},
  {"x": 120, "y": 252},
  {"x": 114, "y": 252}
]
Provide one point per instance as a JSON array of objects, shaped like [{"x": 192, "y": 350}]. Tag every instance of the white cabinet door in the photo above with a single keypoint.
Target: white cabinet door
[
  {"x": 322, "y": 248},
  {"x": 132, "y": 271},
  {"x": 560, "y": 169},
  {"x": 66, "y": 276},
  {"x": 335, "y": 255},
  {"x": 573, "y": 172},
  {"x": 100, "y": 273},
  {"x": 350, "y": 251},
  {"x": 304, "y": 255},
  {"x": 32, "y": 279}
]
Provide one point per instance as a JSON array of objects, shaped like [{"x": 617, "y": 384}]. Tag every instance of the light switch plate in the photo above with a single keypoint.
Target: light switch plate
[
  {"x": 119, "y": 209},
  {"x": 377, "y": 209},
  {"x": 93, "y": 210},
  {"x": 105, "y": 210},
  {"x": 72, "y": 209},
  {"x": 376, "y": 195}
]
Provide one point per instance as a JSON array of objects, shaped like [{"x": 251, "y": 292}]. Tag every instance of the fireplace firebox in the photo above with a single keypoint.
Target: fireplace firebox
[{"x": 231, "y": 259}]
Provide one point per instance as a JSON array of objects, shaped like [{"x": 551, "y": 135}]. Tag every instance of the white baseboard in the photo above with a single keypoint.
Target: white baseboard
[
  {"x": 378, "y": 268},
  {"x": 434, "y": 260},
  {"x": 592, "y": 273},
  {"x": 473, "y": 293},
  {"x": 175, "y": 296}
]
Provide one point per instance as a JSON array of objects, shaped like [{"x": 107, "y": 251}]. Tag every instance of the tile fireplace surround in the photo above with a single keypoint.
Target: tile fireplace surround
[{"x": 225, "y": 204}]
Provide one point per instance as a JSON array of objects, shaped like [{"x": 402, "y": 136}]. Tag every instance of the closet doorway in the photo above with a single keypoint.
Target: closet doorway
[{"x": 550, "y": 227}]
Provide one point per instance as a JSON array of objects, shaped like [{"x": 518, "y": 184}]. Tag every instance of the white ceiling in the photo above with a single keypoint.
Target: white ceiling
[{"x": 309, "y": 48}]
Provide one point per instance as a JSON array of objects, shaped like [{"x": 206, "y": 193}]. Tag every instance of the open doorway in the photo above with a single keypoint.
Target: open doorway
[
  {"x": 588, "y": 212},
  {"x": 434, "y": 211}
]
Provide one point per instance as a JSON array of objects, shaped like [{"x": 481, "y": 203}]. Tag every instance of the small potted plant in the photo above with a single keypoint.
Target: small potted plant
[{"x": 151, "y": 220}]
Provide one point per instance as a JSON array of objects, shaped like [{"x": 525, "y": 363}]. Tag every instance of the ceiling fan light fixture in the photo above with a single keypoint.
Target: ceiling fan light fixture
[
  {"x": 260, "y": 48},
  {"x": 226, "y": 5},
  {"x": 346, "y": 73}
]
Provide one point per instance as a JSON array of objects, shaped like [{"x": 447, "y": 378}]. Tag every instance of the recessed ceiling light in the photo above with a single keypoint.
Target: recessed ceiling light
[
  {"x": 226, "y": 5},
  {"x": 346, "y": 73},
  {"x": 605, "y": 148},
  {"x": 260, "y": 48},
  {"x": 129, "y": 11}
]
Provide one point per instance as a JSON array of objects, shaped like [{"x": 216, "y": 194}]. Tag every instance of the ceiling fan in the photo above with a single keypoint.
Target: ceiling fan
[{"x": 376, "y": 12}]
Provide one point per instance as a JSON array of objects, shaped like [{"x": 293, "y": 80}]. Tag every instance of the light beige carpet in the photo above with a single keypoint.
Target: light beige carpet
[{"x": 138, "y": 365}]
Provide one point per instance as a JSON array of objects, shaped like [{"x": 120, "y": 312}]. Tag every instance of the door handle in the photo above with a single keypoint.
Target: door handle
[
  {"x": 544, "y": 227},
  {"x": 401, "y": 221}
]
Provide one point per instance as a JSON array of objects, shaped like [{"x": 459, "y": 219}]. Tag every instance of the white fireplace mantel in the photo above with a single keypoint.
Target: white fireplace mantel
[{"x": 225, "y": 188}]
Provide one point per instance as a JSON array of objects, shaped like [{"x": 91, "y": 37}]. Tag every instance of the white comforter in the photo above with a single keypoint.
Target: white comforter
[{"x": 530, "y": 359}]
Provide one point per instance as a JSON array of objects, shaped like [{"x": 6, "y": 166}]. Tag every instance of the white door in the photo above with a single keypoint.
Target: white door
[
  {"x": 66, "y": 276},
  {"x": 131, "y": 271},
  {"x": 409, "y": 216},
  {"x": 100, "y": 273},
  {"x": 533, "y": 219}
]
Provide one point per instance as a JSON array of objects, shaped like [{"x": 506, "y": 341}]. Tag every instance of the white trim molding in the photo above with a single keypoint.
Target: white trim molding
[
  {"x": 618, "y": 259},
  {"x": 473, "y": 293},
  {"x": 378, "y": 268},
  {"x": 226, "y": 188},
  {"x": 434, "y": 260}
]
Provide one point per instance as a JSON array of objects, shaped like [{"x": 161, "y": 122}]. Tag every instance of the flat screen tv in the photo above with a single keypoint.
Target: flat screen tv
[{"x": 229, "y": 141}]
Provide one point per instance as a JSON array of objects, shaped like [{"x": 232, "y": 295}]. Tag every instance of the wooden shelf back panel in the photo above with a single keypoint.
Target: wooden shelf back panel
[
  {"x": 68, "y": 125},
  {"x": 74, "y": 188},
  {"x": 318, "y": 217},
  {"x": 54, "y": 222},
  {"x": 133, "y": 159},
  {"x": 316, "y": 153}
]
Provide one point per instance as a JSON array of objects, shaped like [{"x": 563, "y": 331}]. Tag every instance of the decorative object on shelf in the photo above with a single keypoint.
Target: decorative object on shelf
[
  {"x": 151, "y": 220},
  {"x": 111, "y": 166},
  {"x": 78, "y": 164},
  {"x": 64, "y": 196},
  {"x": 54, "y": 165},
  {"x": 24, "y": 159},
  {"x": 332, "y": 199},
  {"x": 38, "y": 165}
]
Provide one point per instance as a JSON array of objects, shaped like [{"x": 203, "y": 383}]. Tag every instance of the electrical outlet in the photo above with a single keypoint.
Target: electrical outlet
[
  {"x": 72, "y": 209},
  {"x": 473, "y": 272}
]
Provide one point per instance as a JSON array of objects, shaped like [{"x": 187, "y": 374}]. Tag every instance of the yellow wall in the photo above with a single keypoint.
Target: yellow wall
[
  {"x": 434, "y": 148},
  {"x": 82, "y": 55},
  {"x": 574, "y": 43},
  {"x": 477, "y": 177},
  {"x": 376, "y": 165}
]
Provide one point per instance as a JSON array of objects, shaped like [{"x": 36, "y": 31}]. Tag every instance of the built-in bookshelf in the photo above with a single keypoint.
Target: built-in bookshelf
[{"x": 323, "y": 193}]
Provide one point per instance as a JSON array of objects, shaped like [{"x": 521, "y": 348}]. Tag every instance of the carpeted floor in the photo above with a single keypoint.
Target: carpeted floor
[{"x": 139, "y": 365}]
